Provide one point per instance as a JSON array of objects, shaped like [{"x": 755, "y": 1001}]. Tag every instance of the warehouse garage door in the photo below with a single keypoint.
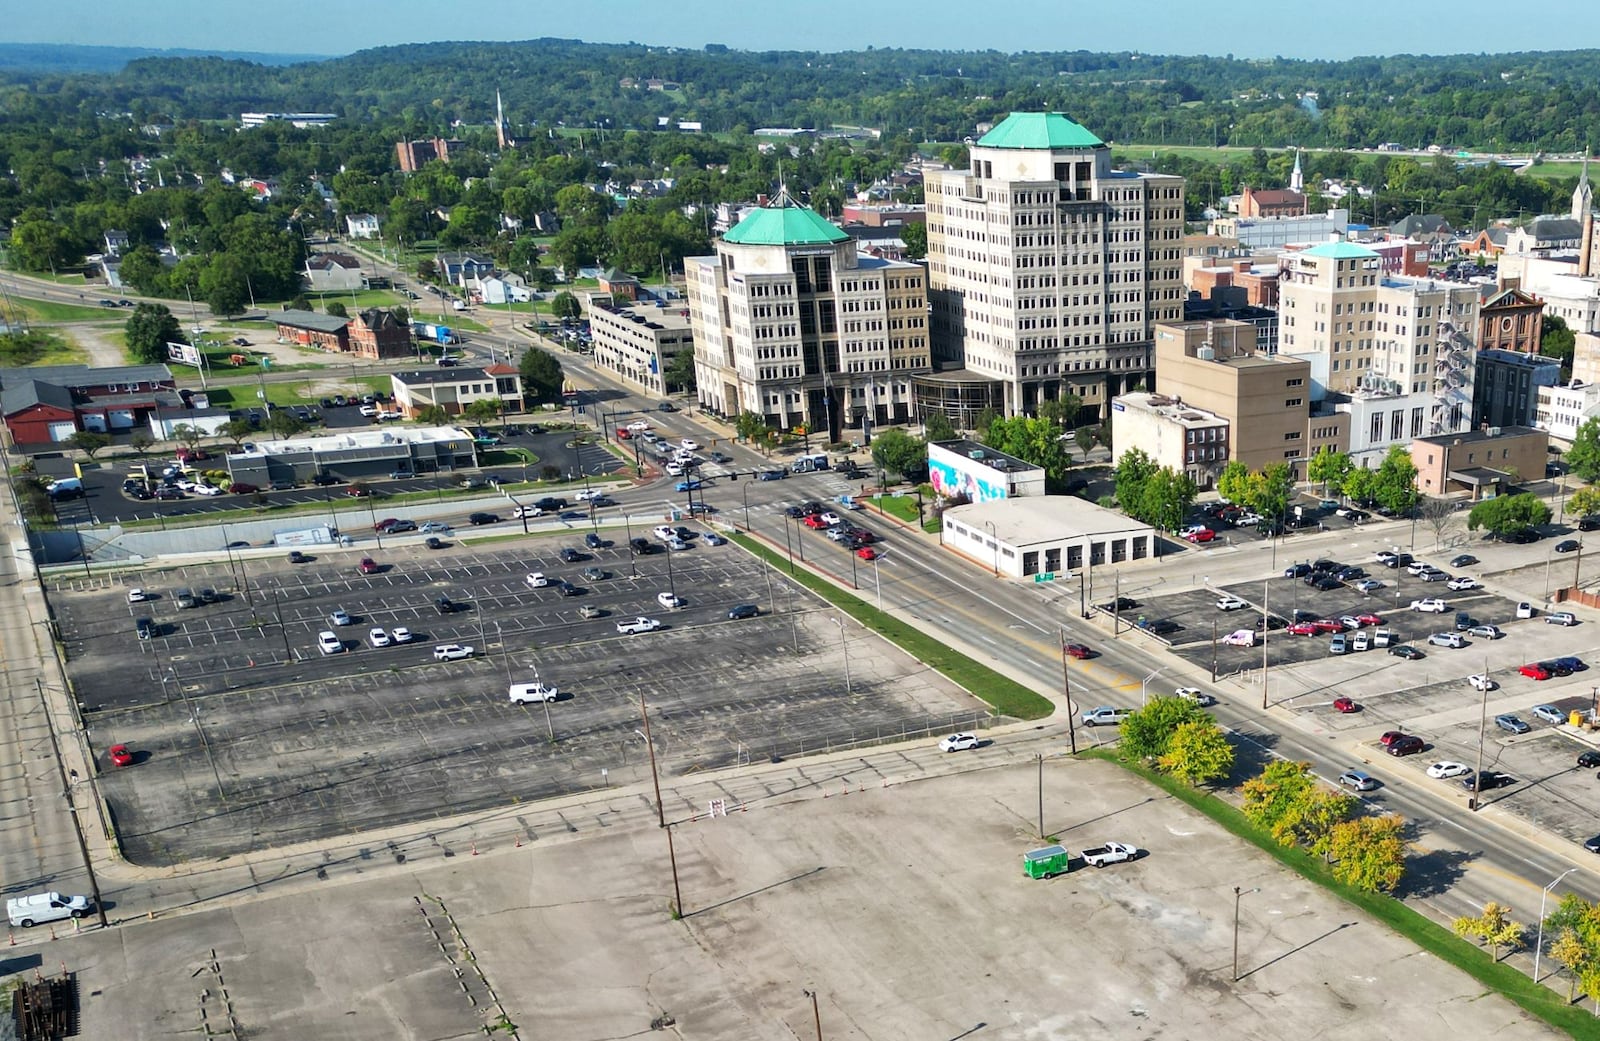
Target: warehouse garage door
[
  {"x": 93, "y": 421},
  {"x": 120, "y": 418},
  {"x": 62, "y": 431}
]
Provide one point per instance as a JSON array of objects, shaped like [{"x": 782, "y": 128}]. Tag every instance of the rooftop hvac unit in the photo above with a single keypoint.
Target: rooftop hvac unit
[
  {"x": 976, "y": 453},
  {"x": 1206, "y": 354}
]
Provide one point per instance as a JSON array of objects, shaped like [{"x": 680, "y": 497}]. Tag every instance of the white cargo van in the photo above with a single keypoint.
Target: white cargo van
[
  {"x": 522, "y": 693},
  {"x": 28, "y": 911}
]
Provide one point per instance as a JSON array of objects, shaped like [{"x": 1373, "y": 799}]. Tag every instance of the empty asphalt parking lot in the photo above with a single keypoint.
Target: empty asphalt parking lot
[{"x": 246, "y": 737}]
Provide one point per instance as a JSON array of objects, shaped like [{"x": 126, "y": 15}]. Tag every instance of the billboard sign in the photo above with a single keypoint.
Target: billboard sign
[{"x": 183, "y": 353}]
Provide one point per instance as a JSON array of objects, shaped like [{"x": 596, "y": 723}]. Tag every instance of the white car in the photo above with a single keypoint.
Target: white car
[
  {"x": 1446, "y": 769},
  {"x": 1462, "y": 582},
  {"x": 1247, "y": 519},
  {"x": 207, "y": 489},
  {"x": 400, "y": 634},
  {"x": 527, "y": 511},
  {"x": 830, "y": 518},
  {"x": 1447, "y": 640},
  {"x": 690, "y": 444},
  {"x": 523, "y": 693},
  {"x": 586, "y": 495},
  {"x": 536, "y": 580},
  {"x": 1432, "y": 605},
  {"x": 1230, "y": 603},
  {"x": 671, "y": 601},
  {"x": 136, "y": 596},
  {"x": 1549, "y": 713},
  {"x": 664, "y": 532},
  {"x": 958, "y": 743},
  {"x": 675, "y": 469},
  {"x": 378, "y": 637},
  {"x": 676, "y": 543},
  {"x": 368, "y": 410},
  {"x": 451, "y": 652},
  {"x": 328, "y": 643},
  {"x": 1196, "y": 695},
  {"x": 637, "y": 625},
  {"x": 638, "y": 426},
  {"x": 1481, "y": 682},
  {"x": 1367, "y": 585},
  {"x": 1417, "y": 567},
  {"x": 1385, "y": 556}
]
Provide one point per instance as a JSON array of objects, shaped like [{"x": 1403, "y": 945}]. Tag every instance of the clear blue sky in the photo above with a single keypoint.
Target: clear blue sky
[{"x": 1339, "y": 30}]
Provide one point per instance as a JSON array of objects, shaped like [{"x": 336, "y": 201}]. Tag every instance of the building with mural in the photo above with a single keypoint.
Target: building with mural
[{"x": 972, "y": 472}]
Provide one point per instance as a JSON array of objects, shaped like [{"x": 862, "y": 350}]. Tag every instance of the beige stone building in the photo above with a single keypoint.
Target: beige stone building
[
  {"x": 1265, "y": 398},
  {"x": 1173, "y": 433},
  {"x": 639, "y": 343},
  {"x": 1047, "y": 268},
  {"x": 791, "y": 323}
]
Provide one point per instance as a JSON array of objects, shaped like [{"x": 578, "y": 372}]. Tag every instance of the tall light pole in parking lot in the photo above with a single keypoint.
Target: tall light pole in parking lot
[
  {"x": 845, "y": 647},
  {"x": 1483, "y": 726},
  {"x": 372, "y": 511},
  {"x": 671, "y": 585},
  {"x": 1237, "y": 893},
  {"x": 661, "y": 812},
  {"x": 747, "y": 504}
]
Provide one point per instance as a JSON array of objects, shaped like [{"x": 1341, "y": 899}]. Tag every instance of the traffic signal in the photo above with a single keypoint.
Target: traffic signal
[{"x": 733, "y": 476}]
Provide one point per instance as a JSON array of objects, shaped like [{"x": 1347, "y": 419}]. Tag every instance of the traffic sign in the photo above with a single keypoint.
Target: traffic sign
[{"x": 1045, "y": 576}]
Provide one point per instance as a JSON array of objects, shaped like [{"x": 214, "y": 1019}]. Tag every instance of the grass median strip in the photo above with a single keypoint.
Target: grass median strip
[
  {"x": 1004, "y": 694},
  {"x": 1545, "y": 1002}
]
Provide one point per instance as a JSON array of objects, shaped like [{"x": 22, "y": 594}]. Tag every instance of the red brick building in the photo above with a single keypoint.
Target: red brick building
[
  {"x": 1259, "y": 281},
  {"x": 374, "y": 333},
  {"x": 1272, "y": 202},
  {"x": 313, "y": 329},
  {"x": 1511, "y": 320}
]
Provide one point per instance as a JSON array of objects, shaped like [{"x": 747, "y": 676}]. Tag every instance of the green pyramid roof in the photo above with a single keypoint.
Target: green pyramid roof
[
  {"x": 1341, "y": 251},
  {"x": 786, "y": 223},
  {"x": 1039, "y": 130}
]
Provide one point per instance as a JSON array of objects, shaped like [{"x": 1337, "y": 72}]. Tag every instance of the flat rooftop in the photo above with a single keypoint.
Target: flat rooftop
[
  {"x": 1467, "y": 437},
  {"x": 344, "y": 441},
  {"x": 994, "y": 459},
  {"x": 1030, "y": 519}
]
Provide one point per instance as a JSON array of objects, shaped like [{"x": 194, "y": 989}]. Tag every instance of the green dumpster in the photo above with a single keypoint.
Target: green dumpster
[{"x": 1046, "y": 863}]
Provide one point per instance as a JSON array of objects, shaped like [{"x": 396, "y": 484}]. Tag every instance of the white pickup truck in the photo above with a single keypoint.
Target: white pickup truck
[
  {"x": 1110, "y": 853},
  {"x": 638, "y": 625}
]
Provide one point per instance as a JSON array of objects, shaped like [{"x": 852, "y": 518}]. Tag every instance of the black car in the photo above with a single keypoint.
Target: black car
[
  {"x": 1406, "y": 651},
  {"x": 1350, "y": 574},
  {"x": 1571, "y": 664},
  {"x": 570, "y": 555},
  {"x": 642, "y": 547},
  {"x": 566, "y": 588},
  {"x": 1592, "y": 845},
  {"x": 1324, "y": 584},
  {"x": 551, "y": 504},
  {"x": 594, "y": 541},
  {"x": 1523, "y": 537},
  {"x": 1589, "y": 760},
  {"x": 483, "y": 518},
  {"x": 1121, "y": 603},
  {"x": 433, "y": 542},
  {"x": 1488, "y": 780},
  {"x": 1326, "y": 565},
  {"x": 327, "y": 403},
  {"x": 1567, "y": 545},
  {"x": 1297, "y": 571},
  {"x": 1588, "y": 523},
  {"x": 1463, "y": 560},
  {"x": 743, "y": 611},
  {"x": 771, "y": 475},
  {"x": 1557, "y": 666},
  {"x": 323, "y": 480},
  {"x": 667, "y": 406},
  {"x": 444, "y": 606},
  {"x": 1399, "y": 560}
]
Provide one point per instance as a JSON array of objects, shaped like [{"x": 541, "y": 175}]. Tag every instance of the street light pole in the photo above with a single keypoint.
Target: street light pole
[
  {"x": 1066, "y": 693},
  {"x": 1237, "y": 893},
  {"x": 815, "y": 1014},
  {"x": 1538, "y": 947},
  {"x": 994, "y": 535},
  {"x": 1145, "y": 683},
  {"x": 844, "y": 646}
]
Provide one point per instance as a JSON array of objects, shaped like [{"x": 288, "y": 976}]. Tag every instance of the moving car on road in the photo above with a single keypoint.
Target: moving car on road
[{"x": 958, "y": 743}]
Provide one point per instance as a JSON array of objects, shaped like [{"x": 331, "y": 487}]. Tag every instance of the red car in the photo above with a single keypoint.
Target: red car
[
  {"x": 1535, "y": 671},
  {"x": 1302, "y": 629},
  {"x": 624, "y": 435},
  {"x": 356, "y": 492},
  {"x": 1327, "y": 625},
  {"x": 816, "y": 523},
  {"x": 1391, "y": 736},
  {"x": 242, "y": 488},
  {"x": 1369, "y": 619},
  {"x": 863, "y": 536},
  {"x": 1079, "y": 651},
  {"x": 1203, "y": 535},
  {"x": 369, "y": 566},
  {"x": 120, "y": 756},
  {"x": 867, "y": 553},
  {"x": 1343, "y": 705}
]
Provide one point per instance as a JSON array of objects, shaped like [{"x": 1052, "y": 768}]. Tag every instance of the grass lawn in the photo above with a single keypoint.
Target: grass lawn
[
  {"x": 39, "y": 347},
  {"x": 1204, "y": 153},
  {"x": 905, "y": 507},
  {"x": 1547, "y": 1003},
  {"x": 1004, "y": 694},
  {"x": 50, "y": 311},
  {"x": 1556, "y": 171},
  {"x": 363, "y": 299}
]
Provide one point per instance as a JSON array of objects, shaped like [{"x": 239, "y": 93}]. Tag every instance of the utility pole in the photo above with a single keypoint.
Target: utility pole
[
  {"x": 816, "y": 1015},
  {"x": 1214, "y": 650},
  {"x": 1041, "y": 796},
  {"x": 1066, "y": 691},
  {"x": 1483, "y": 722},
  {"x": 1266, "y": 629}
]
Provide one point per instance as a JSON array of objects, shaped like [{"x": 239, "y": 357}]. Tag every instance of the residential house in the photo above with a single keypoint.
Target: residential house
[
  {"x": 333, "y": 273},
  {"x": 619, "y": 284},
  {"x": 362, "y": 226},
  {"x": 456, "y": 268},
  {"x": 1545, "y": 235},
  {"x": 116, "y": 242},
  {"x": 1430, "y": 230},
  {"x": 1490, "y": 242},
  {"x": 503, "y": 289},
  {"x": 49, "y": 403}
]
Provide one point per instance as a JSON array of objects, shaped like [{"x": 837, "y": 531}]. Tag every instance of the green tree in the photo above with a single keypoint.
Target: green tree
[
  {"x": 1198, "y": 752},
  {"x": 1505, "y": 514},
  {"x": 1583, "y": 458},
  {"x": 188, "y": 436},
  {"x": 1165, "y": 499},
  {"x": 1556, "y": 340},
  {"x": 1573, "y": 954},
  {"x": 565, "y": 305},
  {"x": 1493, "y": 927},
  {"x": 1084, "y": 438},
  {"x": 148, "y": 331},
  {"x": 1147, "y": 733},
  {"x": 680, "y": 370},
  {"x": 541, "y": 376},
  {"x": 1395, "y": 483},
  {"x": 1133, "y": 472},
  {"x": 433, "y": 416},
  {"x": 1369, "y": 855},
  {"x": 1061, "y": 412},
  {"x": 751, "y": 427},
  {"x": 284, "y": 424},
  {"x": 1328, "y": 468},
  {"x": 88, "y": 442},
  {"x": 899, "y": 452},
  {"x": 1271, "y": 490},
  {"x": 937, "y": 427},
  {"x": 337, "y": 309},
  {"x": 1584, "y": 502},
  {"x": 1233, "y": 483},
  {"x": 1322, "y": 811},
  {"x": 224, "y": 285},
  {"x": 915, "y": 236},
  {"x": 140, "y": 443},
  {"x": 1358, "y": 485},
  {"x": 236, "y": 432},
  {"x": 986, "y": 419},
  {"x": 42, "y": 244},
  {"x": 482, "y": 411},
  {"x": 1276, "y": 792}
]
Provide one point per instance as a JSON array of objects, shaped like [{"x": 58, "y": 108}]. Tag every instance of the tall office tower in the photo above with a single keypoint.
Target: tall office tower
[{"x": 1047, "y": 268}]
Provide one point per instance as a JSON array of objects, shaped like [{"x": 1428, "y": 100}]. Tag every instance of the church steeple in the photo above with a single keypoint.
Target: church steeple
[
  {"x": 1583, "y": 195},
  {"x": 1297, "y": 180}
]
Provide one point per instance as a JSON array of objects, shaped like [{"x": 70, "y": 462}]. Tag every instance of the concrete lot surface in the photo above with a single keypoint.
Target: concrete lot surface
[{"x": 903, "y": 907}]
